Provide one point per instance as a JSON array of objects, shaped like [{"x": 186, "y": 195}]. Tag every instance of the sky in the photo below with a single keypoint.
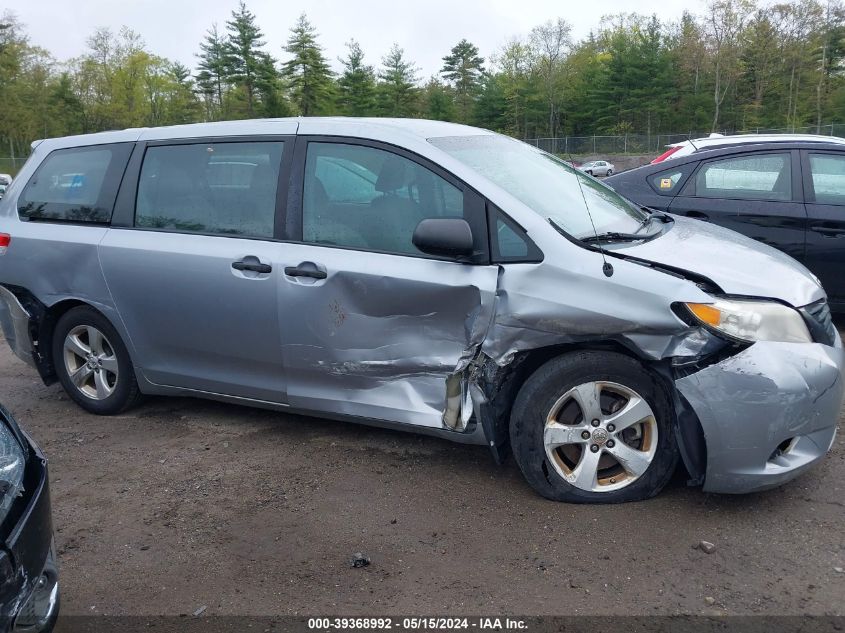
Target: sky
[{"x": 426, "y": 30}]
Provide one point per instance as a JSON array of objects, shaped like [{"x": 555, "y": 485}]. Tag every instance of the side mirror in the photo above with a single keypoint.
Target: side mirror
[{"x": 447, "y": 237}]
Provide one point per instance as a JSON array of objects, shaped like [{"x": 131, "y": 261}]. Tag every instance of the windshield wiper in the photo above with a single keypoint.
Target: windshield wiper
[
  {"x": 652, "y": 214},
  {"x": 613, "y": 236}
]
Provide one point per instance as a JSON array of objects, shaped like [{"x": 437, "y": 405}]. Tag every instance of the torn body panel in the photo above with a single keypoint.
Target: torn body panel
[
  {"x": 530, "y": 315},
  {"x": 767, "y": 413},
  {"x": 15, "y": 322}
]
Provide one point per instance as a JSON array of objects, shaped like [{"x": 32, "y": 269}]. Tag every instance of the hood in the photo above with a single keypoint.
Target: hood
[{"x": 736, "y": 263}]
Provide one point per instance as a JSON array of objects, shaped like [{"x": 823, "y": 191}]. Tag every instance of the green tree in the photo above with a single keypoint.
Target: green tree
[
  {"x": 438, "y": 100},
  {"x": 550, "y": 42},
  {"x": 725, "y": 22},
  {"x": 491, "y": 104},
  {"x": 247, "y": 65},
  {"x": 357, "y": 83},
  {"x": 213, "y": 72},
  {"x": 397, "y": 85},
  {"x": 307, "y": 72},
  {"x": 514, "y": 64},
  {"x": 463, "y": 67}
]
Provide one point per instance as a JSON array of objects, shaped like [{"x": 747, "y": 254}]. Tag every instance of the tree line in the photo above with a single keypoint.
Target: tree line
[{"x": 737, "y": 66}]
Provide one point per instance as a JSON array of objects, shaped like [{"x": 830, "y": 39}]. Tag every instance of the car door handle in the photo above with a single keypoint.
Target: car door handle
[
  {"x": 296, "y": 271},
  {"x": 831, "y": 232},
  {"x": 256, "y": 267}
]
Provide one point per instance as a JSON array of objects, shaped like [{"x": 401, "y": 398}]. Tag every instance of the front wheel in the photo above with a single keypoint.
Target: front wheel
[
  {"x": 93, "y": 364},
  {"x": 594, "y": 427},
  {"x": 589, "y": 172},
  {"x": 609, "y": 172}
]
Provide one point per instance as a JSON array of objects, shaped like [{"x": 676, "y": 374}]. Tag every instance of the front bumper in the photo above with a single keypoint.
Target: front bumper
[
  {"x": 768, "y": 413},
  {"x": 29, "y": 590}
]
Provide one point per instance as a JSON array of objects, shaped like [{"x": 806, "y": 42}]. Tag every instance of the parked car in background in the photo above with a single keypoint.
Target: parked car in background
[
  {"x": 5, "y": 179},
  {"x": 597, "y": 168},
  {"x": 716, "y": 141},
  {"x": 2, "y": 190},
  {"x": 423, "y": 276},
  {"x": 788, "y": 195},
  {"x": 29, "y": 586}
]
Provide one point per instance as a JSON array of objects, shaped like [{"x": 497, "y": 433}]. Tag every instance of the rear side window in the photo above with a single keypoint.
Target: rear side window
[
  {"x": 75, "y": 185},
  {"x": 213, "y": 188},
  {"x": 669, "y": 182},
  {"x": 828, "y": 173},
  {"x": 754, "y": 177}
]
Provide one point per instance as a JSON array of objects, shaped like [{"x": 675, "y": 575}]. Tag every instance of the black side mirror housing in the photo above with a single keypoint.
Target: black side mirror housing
[{"x": 445, "y": 237}]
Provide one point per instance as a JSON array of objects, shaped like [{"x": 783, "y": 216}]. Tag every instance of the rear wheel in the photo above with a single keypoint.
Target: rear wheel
[
  {"x": 594, "y": 427},
  {"x": 92, "y": 363}
]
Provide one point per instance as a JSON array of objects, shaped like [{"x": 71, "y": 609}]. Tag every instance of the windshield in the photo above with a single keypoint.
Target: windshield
[{"x": 544, "y": 183}]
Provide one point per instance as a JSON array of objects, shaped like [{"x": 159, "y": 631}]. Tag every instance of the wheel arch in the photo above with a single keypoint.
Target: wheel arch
[
  {"x": 502, "y": 384},
  {"x": 42, "y": 324}
]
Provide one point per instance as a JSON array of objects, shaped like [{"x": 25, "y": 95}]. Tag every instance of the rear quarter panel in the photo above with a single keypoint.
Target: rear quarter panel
[{"x": 56, "y": 262}]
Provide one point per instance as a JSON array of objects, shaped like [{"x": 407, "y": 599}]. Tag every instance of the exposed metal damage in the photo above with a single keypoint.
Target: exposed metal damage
[{"x": 526, "y": 318}]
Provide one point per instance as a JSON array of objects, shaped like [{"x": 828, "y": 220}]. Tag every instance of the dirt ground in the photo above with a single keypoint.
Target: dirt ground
[{"x": 183, "y": 504}]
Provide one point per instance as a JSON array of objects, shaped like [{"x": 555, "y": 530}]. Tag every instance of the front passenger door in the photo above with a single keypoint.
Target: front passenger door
[{"x": 372, "y": 327}]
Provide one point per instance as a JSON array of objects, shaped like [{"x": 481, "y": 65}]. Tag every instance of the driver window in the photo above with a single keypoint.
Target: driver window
[{"x": 364, "y": 197}]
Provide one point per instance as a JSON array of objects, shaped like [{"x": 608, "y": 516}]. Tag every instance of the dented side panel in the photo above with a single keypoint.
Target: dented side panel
[
  {"x": 552, "y": 303},
  {"x": 380, "y": 336},
  {"x": 403, "y": 338}
]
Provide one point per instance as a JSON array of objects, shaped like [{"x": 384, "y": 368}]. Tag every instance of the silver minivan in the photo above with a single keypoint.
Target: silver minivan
[{"x": 424, "y": 276}]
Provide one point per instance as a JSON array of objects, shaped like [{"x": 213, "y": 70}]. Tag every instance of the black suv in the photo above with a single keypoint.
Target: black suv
[{"x": 788, "y": 195}]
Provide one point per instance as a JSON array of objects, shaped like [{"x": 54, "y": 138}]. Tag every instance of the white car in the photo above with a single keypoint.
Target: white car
[
  {"x": 597, "y": 168},
  {"x": 685, "y": 148}
]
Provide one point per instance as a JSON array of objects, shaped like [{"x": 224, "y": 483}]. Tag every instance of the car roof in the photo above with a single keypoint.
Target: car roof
[
  {"x": 753, "y": 147},
  {"x": 374, "y": 128},
  {"x": 707, "y": 154},
  {"x": 735, "y": 139}
]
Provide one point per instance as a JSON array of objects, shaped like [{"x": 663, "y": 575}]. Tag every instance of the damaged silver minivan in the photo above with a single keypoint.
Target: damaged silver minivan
[{"x": 424, "y": 276}]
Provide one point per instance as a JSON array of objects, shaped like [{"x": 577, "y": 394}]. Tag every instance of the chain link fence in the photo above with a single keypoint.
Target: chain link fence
[
  {"x": 9, "y": 165},
  {"x": 656, "y": 143},
  {"x": 593, "y": 145}
]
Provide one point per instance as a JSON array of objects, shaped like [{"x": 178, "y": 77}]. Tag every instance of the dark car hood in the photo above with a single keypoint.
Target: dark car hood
[{"x": 737, "y": 264}]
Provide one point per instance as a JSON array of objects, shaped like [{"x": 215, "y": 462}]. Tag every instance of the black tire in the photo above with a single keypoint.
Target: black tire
[
  {"x": 609, "y": 172},
  {"x": 589, "y": 172},
  {"x": 126, "y": 393},
  {"x": 542, "y": 390}
]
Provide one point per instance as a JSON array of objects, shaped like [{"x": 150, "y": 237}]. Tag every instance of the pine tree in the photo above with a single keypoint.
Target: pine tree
[
  {"x": 439, "y": 104},
  {"x": 357, "y": 84},
  {"x": 463, "y": 67},
  {"x": 213, "y": 71},
  {"x": 307, "y": 72},
  {"x": 249, "y": 67},
  {"x": 397, "y": 87}
]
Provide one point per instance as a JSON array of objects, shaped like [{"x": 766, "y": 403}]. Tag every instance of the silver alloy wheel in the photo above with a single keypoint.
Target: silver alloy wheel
[
  {"x": 90, "y": 362},
  {"x": 600, "y": 436}
]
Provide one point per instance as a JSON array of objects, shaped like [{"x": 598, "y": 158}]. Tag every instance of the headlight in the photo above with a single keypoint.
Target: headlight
[
  {"x": 12, "y": 462},
  {"x": 753, "y": 320}
]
